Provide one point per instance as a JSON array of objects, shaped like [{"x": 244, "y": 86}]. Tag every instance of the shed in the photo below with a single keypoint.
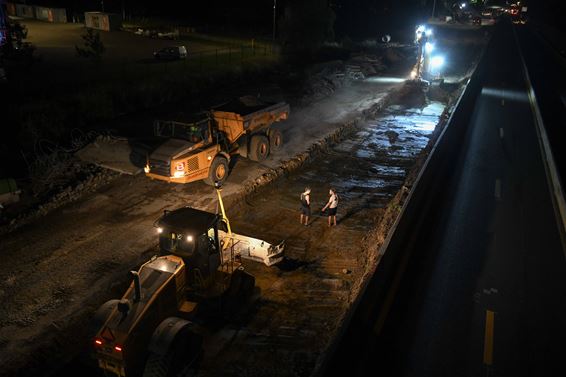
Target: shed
[
  {"x": 11, "y": 9},
  {"x": 103, "y": 21},
  {"x": 25, "y": 11},
  {"x": 51, "y": 14}
]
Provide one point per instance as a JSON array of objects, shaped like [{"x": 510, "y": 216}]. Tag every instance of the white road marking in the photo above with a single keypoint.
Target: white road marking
[{"x": 498, "y": 188}]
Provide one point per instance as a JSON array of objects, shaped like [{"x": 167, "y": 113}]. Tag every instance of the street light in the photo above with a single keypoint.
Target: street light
[
  {"x": 274, "y": 16},
  {"x": 436, "y": 62}
]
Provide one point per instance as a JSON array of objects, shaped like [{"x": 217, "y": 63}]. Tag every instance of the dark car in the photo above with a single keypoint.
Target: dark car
[{"x": 171, "y": 53}]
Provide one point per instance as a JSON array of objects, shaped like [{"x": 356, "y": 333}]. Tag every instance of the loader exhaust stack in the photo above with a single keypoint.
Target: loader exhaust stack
[{"x": 137, "y": 286}]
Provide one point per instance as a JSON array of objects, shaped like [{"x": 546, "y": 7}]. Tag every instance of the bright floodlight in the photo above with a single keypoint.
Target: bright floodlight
[
  {"x": 428, "y": 32},
  {"x": 436, "y": 62},
  {"x": 463, "y": 5},
  {"x": 159, "y": 230},
  {"x": 189, "y": 238},
  {"x": 420, "y": 29},
  {"x": 428, "y": 47}
]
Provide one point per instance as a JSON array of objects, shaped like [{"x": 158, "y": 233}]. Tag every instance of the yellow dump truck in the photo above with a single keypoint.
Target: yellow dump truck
[{"x": 202, "y": 148}]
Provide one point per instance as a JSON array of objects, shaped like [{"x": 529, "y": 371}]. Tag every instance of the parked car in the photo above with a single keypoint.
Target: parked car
[{"x": 171, "y": 53}]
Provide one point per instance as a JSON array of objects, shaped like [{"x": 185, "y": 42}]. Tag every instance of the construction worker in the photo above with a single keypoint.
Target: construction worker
[
  {"x": 332, "y": 206},
  {"x": 306, "y": 205}
]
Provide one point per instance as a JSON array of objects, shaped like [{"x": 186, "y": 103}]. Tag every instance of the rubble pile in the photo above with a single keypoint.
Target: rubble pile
[
  {"x": 323, "y": 80},
  {"x": 361, "y": 66}
]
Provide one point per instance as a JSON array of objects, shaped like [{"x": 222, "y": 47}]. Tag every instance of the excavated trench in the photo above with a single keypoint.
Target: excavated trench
[{"x": 302, "y": 301}]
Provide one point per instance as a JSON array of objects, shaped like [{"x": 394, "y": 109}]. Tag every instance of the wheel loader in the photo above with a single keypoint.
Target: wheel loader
[{"x": 151, "y": 331}]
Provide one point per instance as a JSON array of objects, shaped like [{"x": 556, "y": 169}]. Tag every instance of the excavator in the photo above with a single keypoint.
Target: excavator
[{"x": 152, "y": 330}]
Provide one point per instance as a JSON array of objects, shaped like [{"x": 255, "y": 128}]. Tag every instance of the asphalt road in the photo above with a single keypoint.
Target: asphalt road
[{"x": 484, "y": 291}]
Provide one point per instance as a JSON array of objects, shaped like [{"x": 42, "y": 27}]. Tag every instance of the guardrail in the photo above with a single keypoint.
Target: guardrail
[
  {"x": 553, "y": 176},
  {"x": 368, "y": 313}
]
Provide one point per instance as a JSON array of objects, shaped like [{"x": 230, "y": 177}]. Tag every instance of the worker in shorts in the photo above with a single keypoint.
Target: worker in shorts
[
  {"x": 332, "y": 206},
  {"x": 306, "y": 206}
]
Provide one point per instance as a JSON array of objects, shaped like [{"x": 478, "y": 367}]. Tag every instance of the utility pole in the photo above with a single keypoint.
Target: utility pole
[
  {"x": 433, "y": 8},
  {"x": 274, "y": 17}
]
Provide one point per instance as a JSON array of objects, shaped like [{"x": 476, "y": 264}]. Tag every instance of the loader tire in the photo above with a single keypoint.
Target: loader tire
[
  {"x": 218, "y": 171},
  {"x": 101, "y": 315},
  {"x": 183, "y": 355},
  {"x": 275, "y": 140},
  {"x": 259, "y": 148}
]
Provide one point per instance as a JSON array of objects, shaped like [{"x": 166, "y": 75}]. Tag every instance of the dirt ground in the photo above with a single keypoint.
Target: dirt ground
[
  {"x": 56, "y": 43},
  {"x": 57, "y": 270}
]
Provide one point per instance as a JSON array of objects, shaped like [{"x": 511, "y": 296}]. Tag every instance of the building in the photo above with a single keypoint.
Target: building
[{"x": 103, "y": 21}]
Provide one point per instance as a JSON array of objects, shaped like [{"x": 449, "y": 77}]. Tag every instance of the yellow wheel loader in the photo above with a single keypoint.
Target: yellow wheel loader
[{"x": 150, "y": 331}]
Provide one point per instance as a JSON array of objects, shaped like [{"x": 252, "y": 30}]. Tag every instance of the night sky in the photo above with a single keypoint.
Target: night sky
[{"x": 355, "y": 18}]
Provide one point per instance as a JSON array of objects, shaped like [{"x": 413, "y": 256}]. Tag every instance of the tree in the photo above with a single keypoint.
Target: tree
[
  {"x": 93, "y": 46},
  {"x": 306, "y": 24}
]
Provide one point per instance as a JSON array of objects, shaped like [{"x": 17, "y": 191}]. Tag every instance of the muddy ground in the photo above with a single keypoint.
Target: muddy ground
[{"x": 57, "y": 270}]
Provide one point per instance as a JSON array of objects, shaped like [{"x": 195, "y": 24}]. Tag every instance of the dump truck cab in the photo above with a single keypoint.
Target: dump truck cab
[{"x": 187, "y": 151}]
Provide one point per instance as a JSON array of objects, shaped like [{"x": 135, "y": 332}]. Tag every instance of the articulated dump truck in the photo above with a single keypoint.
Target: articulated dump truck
[
  {"x": 151, "y": 331},
  {"x": 201, "y": 149}
]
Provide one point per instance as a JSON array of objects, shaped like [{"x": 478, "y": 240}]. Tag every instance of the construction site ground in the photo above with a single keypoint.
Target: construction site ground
[{"x": 58, "y": 269}]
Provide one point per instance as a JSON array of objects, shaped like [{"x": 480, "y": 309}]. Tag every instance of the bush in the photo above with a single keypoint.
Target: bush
[{"x": 93, "y": 46}]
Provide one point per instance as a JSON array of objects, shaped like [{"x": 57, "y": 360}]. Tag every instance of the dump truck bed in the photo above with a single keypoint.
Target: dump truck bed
[
  {"x": 248, "y": 114},
  {"x": 245, "y": 108}
]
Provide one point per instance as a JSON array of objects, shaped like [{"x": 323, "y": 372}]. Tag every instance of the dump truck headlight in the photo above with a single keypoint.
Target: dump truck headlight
[{"x": 178, "y": 174}]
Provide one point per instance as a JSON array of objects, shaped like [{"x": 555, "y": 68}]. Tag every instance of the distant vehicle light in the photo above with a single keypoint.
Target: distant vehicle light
[
  {"x": 98, "y": 342},
  {"x": 118, "y": 348},
  {"x": 428, "y": 32},
  {"x": 189, "y": 238},
  {"x": 463, "y": 5},
  {"x": 436, "y": 62},
  {"x": 420, "y": 29},
  {"x": 146, "y": 169},
  {"x": 428, "y": 47},
  {"x": 159, "y": 230}
]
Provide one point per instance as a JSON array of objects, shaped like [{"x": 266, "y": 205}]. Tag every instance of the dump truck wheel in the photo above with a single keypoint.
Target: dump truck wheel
[
  {"x": 275, "y": 140},
  {"x": 218, "y": 171},
  {"x": 259, "y": 148}
]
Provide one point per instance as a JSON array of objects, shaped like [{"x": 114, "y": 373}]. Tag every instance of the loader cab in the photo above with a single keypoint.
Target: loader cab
[{"x": 192, "y": 235}]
